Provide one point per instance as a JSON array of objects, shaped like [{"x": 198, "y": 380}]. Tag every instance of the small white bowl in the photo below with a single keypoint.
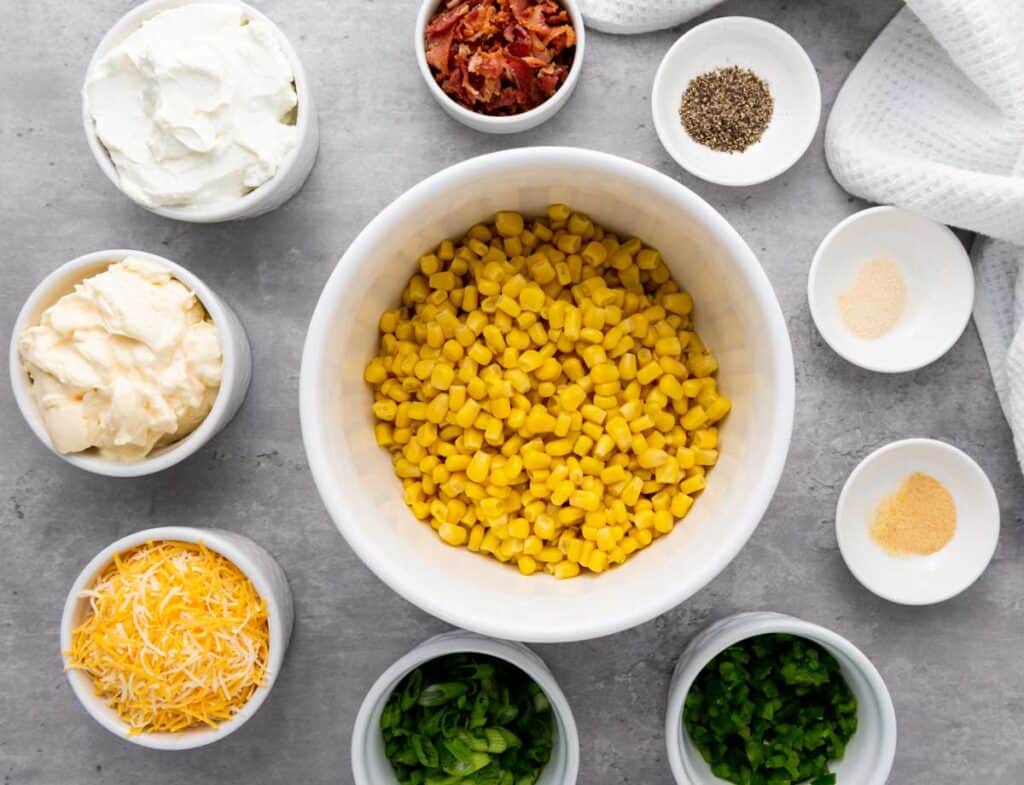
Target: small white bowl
[
  {"x": 234, "y": 345},
  {"x": 510, "y": 124},
  {"x": 772, "y": 54},
  {"x": 935, "y": 268},
  {"x": 371, "y": 767},
  {"x": 258, "y": 566},
  {"x": 918, "y": 580},
  {"x": 270, "y": 195},
  {"x": 870, "y": 753}
]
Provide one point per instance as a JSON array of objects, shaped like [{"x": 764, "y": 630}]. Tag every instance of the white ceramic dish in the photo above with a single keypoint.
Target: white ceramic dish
[
  {"x": 259, "y": 567},
  {"x": 771, "y": 53},
  {"x": 237, "y": 364},
  {"x": 371, "y": 767},
  {"x": 936, "y": 271},
  {"x": 737, "y": 315},
  {"x": 869, "y": 756},
  {"x": 272, "y": 194},
  {"x": 918, "y": 580},
  {"x": 513, "y": 123}
]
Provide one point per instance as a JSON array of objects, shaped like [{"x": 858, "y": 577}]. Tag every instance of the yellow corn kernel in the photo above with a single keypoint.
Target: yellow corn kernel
[
  {"x": 718, "y": 408},
  {"x": 705, "y": 457},
  {"x": 694, "y": 418},
  {"x": 598, "y": 561},
  {"x": 544, "y": 527},
  {"x": 509, "y": 224},
  {"x": 527, "y": 565},
  {"x": 550, "y": 554},
  {"x": 566, "y": 569},
  {"x": 693, "y": 484},
  {"x": 618, "y": 429},
  {"x": 701, "y": 364},
  {"x": 453, "y": 534},
  {"x": 479, "y": 467},
  {"x": 562, "y": 491},
  {"x": 585, "y": 500},
  {"x": 559, "y": 213},
  {"x": 649, "y": 373},
  {"x": 385, "y": 410},
  {"x": 652, "y": 459},
  {"x": 594, "y": 254}
]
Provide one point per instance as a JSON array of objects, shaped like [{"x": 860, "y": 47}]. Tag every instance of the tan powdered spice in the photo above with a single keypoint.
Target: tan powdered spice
[
  {"x": 876, "y": 301},
  {"x": 920, "y": 518}
]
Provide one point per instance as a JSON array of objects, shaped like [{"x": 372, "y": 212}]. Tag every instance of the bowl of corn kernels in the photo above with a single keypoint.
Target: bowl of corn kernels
[{"x": 547, "y": 394}]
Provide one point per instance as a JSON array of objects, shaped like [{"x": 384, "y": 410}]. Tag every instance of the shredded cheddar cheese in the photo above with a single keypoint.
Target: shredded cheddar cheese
[{"x": 177, "y": 637}]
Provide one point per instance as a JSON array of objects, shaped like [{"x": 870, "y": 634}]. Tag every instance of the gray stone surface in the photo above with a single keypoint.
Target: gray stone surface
[{"x": 954, "y": 670}]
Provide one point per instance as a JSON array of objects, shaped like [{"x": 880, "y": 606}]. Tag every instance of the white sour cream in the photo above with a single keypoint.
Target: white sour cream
[{"x": 196, "y": 107}]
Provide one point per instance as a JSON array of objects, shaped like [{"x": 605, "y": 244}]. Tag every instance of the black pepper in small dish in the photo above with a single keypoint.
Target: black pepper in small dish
[
  {"x": 727, "y": 109},
  {"x": 500, "y": 57}
]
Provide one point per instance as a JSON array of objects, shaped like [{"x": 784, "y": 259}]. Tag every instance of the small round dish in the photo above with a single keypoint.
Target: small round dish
[
  {"x": 234, "y": 345},
  {"x": 371, "y": 767},
  {"x": 258, "y": 566},
  {"x": 772, "y": 54},
  {"x": 510, "y": 124},
  {"x": 285, "y": 183},
  {"x": 871, "y": 751},
  {"x": 935, "y": 269},
  {"x": 918, "y": 580}
]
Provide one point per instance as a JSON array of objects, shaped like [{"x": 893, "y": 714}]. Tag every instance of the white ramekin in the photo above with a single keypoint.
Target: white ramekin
[
  {"x": 259, "y": 567},
  {"x": 869, "y": 756},
  {"x": 272, "y": 194},
  {"x": 237, "y": 363},
  {"x": 510, "y": 124},
  {"x": 737, "y": 315},
  {"x": 371, "y": 767}
]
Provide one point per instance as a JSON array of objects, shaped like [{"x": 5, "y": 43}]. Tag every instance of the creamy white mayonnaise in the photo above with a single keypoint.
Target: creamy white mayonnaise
[
  {"x": 196, "y": 107},
  {"x": 126, "y": 362}
]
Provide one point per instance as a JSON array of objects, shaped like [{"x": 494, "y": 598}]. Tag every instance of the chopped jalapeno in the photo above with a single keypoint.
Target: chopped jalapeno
[{"x": 771, "y": 710}]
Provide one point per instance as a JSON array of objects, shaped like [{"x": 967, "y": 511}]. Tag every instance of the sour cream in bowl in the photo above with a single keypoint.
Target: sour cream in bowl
[{"x": 200, "y": 111}]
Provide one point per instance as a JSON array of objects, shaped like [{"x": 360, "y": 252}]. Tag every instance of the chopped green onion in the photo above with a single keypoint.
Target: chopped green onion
[{"x": 467, "y": 720}]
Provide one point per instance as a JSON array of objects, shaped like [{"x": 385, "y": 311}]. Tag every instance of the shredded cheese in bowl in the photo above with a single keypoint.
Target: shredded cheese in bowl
[{"x": 176, "y": 637}]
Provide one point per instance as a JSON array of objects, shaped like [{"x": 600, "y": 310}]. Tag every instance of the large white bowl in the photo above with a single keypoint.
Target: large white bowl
[{"x": 737, "y": 315}]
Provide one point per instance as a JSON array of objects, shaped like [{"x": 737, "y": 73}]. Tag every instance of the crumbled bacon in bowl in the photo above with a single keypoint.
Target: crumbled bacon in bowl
[{"x": 500, "y": 57}]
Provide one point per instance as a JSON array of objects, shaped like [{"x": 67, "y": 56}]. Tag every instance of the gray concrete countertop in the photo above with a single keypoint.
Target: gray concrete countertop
[{"x": 955, "y": 670}]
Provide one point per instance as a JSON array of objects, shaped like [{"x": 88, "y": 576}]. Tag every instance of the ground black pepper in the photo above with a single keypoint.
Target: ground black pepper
[{"x": 727, "y": 109}]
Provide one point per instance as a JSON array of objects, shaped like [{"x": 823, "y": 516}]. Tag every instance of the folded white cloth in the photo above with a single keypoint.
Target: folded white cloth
[
  {"x": 640, "y": 16},
  {"x": 932, "y": 120}
]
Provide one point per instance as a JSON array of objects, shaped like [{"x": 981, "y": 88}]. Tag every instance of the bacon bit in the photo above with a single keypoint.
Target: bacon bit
[{"x": 500, "y": 57}]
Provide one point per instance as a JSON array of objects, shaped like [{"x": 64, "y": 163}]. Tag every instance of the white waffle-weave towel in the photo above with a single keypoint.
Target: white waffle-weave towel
[
  {"x": 932, "y": 120},
  {"x": 641, "y": 16}
]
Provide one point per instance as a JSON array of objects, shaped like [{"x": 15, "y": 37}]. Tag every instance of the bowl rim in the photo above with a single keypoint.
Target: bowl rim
[
  {"x": 800, "y": 57},
  {"x": 926, "y": 358},
  {"x": 970, "y": 465},
  {"x": 75, "y": 271},
  {"x": 502, "y": 123},
  {"x": 317, "y": 340},
  {"x": 458, "y": 642},
  {"x": 220, "y": 542},
  {"x": 225, "y": 211},
  {"x": 741, "y": 626}
]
